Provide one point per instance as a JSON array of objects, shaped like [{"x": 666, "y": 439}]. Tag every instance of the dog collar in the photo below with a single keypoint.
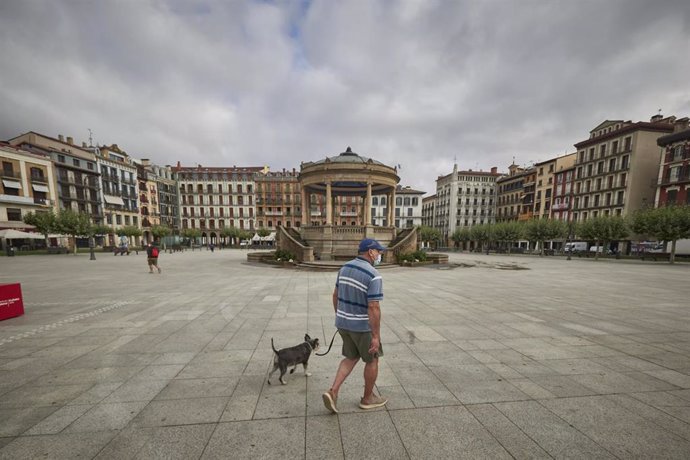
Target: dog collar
[{"x": 309, "y": 345}]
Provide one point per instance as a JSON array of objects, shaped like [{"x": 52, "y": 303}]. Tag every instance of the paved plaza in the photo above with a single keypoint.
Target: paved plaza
[{"x": 558, "y": 359}]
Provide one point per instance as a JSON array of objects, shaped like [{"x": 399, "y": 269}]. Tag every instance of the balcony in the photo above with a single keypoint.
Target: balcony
[
  {"x": 274, "y": 213},
  {"x": 559, "y": 206},
  {"x": 10, "y": 174},
  {"x": 35, "y": 178}
]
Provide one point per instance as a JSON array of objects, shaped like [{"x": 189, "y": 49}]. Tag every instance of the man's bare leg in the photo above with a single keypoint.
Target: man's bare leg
[
  {"x": 371, "y": 372},
  {"x": 344, "y": 369}
]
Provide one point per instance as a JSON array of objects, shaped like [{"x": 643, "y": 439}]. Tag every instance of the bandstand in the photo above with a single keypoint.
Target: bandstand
[{"x": 334, "y": 231}]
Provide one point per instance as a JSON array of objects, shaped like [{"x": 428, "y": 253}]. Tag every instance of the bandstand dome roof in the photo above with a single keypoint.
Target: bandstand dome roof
[{"x": 348, "y": 156}]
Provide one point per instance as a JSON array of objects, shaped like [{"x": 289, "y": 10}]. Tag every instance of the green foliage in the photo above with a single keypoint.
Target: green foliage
[
  {"x": 229, "y": 232},
  {"x": 284, "y": 255},
  {"x": 461, "y": 235},
  {"x": 541, "y": 230},
  {"x": 73, "y": 224},
  {"x": 416, "y": 256},
  {"x": 670, "y": 224},
  {"x": 602, "y": 229},
  {"x": 508, "y": 232},
  {"x": 263, "y": 232},
  {"x": 191, "y": 233},
  {"x": 43, "y": 221},
  {"x": 429, "y": 234},
  {"x": 100, "y": 229},
  {"x": 128, "y": 230},
  {"x": 159, "y": 231}
]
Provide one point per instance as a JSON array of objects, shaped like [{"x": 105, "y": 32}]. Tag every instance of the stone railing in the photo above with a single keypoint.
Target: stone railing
[
  {"x": 350, "y": 230},
  {"x": 287, "y": 242},
  {"x": 405, "y": 242}
]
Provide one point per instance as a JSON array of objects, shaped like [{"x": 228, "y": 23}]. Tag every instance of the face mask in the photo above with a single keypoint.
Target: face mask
[{"x": 378, "y": 259}]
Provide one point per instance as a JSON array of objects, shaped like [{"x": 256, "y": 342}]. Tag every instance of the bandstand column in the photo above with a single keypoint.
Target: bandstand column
[
  {"x": 305, "y": 207},
  {"x": 367, "y": 206},
  {"x": 329, "y": 204}
]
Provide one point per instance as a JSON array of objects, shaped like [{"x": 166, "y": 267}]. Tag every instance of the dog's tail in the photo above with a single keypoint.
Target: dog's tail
[{"x": 274, "y": 348}]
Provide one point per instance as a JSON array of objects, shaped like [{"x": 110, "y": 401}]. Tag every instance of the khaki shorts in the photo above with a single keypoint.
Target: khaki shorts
[
  {"x": 356, "y": 345},
  {"x": 153, "y": 261}
]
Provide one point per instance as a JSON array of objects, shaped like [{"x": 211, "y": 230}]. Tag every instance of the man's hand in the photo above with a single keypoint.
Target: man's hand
[{"x": 375, "y": 344}]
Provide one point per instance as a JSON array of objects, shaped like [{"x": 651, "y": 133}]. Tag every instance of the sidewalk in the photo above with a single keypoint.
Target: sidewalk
[{"x": 559, "y": 359}]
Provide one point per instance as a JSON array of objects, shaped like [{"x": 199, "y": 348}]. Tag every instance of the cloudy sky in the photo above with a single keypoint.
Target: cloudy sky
[{"x": 417, "y": 83}]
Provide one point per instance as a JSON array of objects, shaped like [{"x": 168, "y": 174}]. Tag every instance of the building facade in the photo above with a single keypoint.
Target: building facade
[
  {"x": 76, "y": 171},
  {"x": 149, "y": 210},
  {"x": 617, "y": 167},
  {"x": 673, "y": 185},
  {"x": 546, "y": 175},
  {"x": 465, "y": 199},
  {"x": 510, "y": 194},
  {"x": 27, "y": 184},
  {"x": 215, "y": 198},
  {"x": 118, "y": 183},
  {"x": 428, "y": 206},
  {"x": 563, "y": 187},
  {"x": 407, "y": 212},
  {"x": 278, "y": 199}
]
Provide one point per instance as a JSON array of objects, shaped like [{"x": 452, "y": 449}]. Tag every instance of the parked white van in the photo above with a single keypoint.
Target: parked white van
[{"x": 575, "y": 246}]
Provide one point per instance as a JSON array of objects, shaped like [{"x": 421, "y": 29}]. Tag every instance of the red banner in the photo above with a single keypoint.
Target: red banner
[{"x": 11, "y": 302}]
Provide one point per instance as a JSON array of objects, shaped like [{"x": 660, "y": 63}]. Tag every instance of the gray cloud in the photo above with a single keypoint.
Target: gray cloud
[{"x": 277, "y": 83}]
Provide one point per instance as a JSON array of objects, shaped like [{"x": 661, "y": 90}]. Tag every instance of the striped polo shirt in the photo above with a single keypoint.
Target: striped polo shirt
[{"x": 358, "y": 283}]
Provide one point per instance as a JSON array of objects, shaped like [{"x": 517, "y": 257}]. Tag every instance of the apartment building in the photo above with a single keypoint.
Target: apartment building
[
  {"x": 278, "y": 199},
  {"x": 464, "y": 199},
  {"x": 149, "y": 210},
  {"x": 673, "y": 184},
  {"x": 215, "y": 198},
  {"x": 616, "y": 170},
  {"x": 27, "y": 184},
  {"x": 168, "y": 198},
  {"x": 75, "y": 169},
  {"x": 118, "y": 183},
  {"x": 546, "y": 171},
  {"x": 562, "y": 194},
  {"x": 428, "y": 206},
  {"x": 510, "y": 194},
  {"x": 407, "y": 212}
]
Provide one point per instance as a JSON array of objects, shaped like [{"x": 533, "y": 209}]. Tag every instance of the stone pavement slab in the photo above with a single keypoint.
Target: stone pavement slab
[{"x": 560, "y": 359}]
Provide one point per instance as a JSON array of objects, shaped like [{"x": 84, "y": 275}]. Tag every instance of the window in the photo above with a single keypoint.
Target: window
[
  {"x": 628, "y": 144},
  {"x": 671, "y": 197},
  {"x": 674, "y": 174},
  {"x": 118, "y": 219},
  {"x": 602, "y": 151},
  {"x": 619, "y": 199},
  {"x": 375, "y": 201},
  {"x": 415, "y": 201},
  {"x": 398, "y": 201},
  {"x": 623, "y": 179},
  {"x": 75, "y": 162},
  {"x": 14, "y": 214},
  {"x": 61, "y": 158}
]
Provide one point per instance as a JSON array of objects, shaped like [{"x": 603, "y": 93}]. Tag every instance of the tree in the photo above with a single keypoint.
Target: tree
[
  {"x": 542, "y": 230},
  {"x": 73, "y": 224},
  {"x": 159, "y": 231},
  {"x": 263, "y": 232},
  {"x": 461, "y": 235},
  {"x": 43, "y": 221},
  {"x": 430, "y": 235},
  {"x": 670, "y": 224},
  {"x": 508, "y": 232},
  {"x": 602, "y": 229},
  {"x": 192, "y": 234},
  {"x": 483, "y": 234},
  {"x": 230, "y": 232}
]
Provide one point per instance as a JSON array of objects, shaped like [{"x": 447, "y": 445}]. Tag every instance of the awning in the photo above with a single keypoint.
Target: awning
[
  {"x": 18, "y": 235},
  {"x": 11, "y": 183},
  {"x": 256, "y": 237},
  {"x": 40, "y": 188},
  {"x": 114, "y": 200}
]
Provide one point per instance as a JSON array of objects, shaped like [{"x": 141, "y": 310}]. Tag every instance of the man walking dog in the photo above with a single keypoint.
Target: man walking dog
[{"x": 358, "y": 291}]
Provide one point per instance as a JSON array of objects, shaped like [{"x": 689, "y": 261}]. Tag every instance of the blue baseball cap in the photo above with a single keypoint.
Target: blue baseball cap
[{"x": 369, "y": 243}]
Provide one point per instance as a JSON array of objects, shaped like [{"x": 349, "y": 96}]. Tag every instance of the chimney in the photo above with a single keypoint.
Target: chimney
[
  {"x": 70, "y": 141},
  {"x": 494, "y": 170},
  {"x": 656, "y": 118},
  {"x": 61, "y": 138},
  {"x": 83, "y": 145},
  {"x": 681, "y": 124}
]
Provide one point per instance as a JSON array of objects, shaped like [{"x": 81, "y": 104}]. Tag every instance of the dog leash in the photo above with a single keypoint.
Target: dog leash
[{"x": 329, "y": 346}]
